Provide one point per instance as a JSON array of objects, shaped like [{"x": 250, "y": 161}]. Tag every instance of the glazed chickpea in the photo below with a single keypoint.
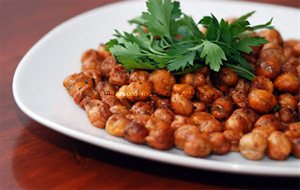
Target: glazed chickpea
[
  {"x": 119, "y": 109},
  {"x": 221, "y": 108},
  {"x": 272, "y": 35},
  {"x": 160, "y": 135},
  {"x": 208, "y": 94},
  {"x": 261, "y": 101},
  {"x": 115, "y": 125},
  {"x": 138, "y": 76},
  {"x": 287, "y": 101},
  {"x": 219, "y": 143},
  {"x": 199, "y": 106},
  {"x": 141, "y": 119},
  {"x": 261, "y": 82},
  {"x": 141, "y": 107},
  {"x": 252, "y": 146},
  {"x": 138, "y": 91},
  {"x": 135, "y": 133},
  {"x": 193, "y": 79},
  {"x": 75, "y": 82},
  {"x": 179, "y": 121},
  {"x": 162, "y": 82},
  {"x": 164, "y": 115},
  {"x": 206, "y": 122},
  {"x": 184, "y": 90},
  {"x": 84, "y": 92},
  {"x": 199, "y": 147},
  {"x": 279, "y": 146},
  {"x": 241, "y": 120},
  {"x": 185, "y": 133},
  {"x": 268, "y": 120},
  {"x": 287, "y": 83},
  {"x": 159, "y": 102},
  {"x": 181, "y": 105},
  {"x": 269, "y": 68},
  {"x": 97, "y": 112},
  {"x": 107, "y": 65},
  {"x": 118, "y": 76},
  {"x": 239, "y": 98},
  {"x": 295, "y": 127},
  {"x": 233, "y": 136},
  {"x": 228, "y": 76},
  {"x": 287, "y": 115},
  {"x": 290, "y": 66}
]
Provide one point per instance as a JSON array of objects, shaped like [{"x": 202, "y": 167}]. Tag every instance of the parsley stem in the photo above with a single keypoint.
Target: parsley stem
[{"x": 241, "y": 71}]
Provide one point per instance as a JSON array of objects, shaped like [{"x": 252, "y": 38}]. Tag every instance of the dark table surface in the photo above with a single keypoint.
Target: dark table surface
[{"x": 35, "y": 157}]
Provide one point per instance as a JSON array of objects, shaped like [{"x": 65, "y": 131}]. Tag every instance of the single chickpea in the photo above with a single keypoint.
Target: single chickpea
[
  {"x": 269, "y": 120},
  {"x": 263, "y": 83},
  {"x": 241, "y": 120},
  {"x": 162, "y": 82},
  {"x": 199, "y": 106},
  {"x": 287, "y": 82},
  {"x": 228, "y": 76},
  {"x": 164, "y": 115},
  {"x": 287, "y": 115},
  {"x": 199, "y": 147},
  {"x": 261, "y": 101},
  {"x": 279, "y": 146},
  {"x": 119, "y": 109},
  {"x": 138, "y": 91},
  {"x": 208, "y": 94},
  {"x": 115, "y": 125},
  {"x": 184, "y": 90},
  {"x": 221, "y": 108},
  {"x": 135, "y": 132},
  {"x": 269, "y": 68},
  {"x": 206, "y": 122},
  {"x": 142, "y": 107},
  {"x": 107, "y": 65},
  {"x": 181, "y": 105},
  {"x": 272, "y": 35},
  {"x": 97, "y": 112},
  {"x": 233, "y": 137},
  {"x": 264, "y": 130},
  {"x": 179, "y": 121},
  {"x": 184, "y": 133},
  {"x": 287, "y": 101},
  {"x": 219, "y": 143},
  {"x": 138, "y": 76},
  {"x": 252, "y": 146}
]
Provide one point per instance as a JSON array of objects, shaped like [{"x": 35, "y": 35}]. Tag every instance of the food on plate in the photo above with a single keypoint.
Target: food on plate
[{"x": 207, "y": 87}]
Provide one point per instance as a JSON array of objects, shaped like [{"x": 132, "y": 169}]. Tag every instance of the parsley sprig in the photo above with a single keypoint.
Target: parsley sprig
[{"x": 165, "y": 37}]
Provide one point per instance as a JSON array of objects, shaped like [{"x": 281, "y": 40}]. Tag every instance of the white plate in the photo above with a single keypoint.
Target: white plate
[{"x": 38, "y": 89}]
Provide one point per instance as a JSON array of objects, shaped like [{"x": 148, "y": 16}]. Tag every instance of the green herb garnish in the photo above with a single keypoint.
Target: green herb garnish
[{"x": 167, "y": 38}]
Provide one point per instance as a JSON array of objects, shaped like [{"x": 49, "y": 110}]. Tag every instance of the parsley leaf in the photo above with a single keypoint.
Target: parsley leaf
[
  {"x": 244, "y": 45},
  {"x": 213, "y": 55}
]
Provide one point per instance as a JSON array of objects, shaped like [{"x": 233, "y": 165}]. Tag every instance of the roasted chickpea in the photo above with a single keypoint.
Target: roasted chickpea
[
  {"x": 193, "y": 79},
  {"x": 179, "y": 121},
  {"x": 287, "y": 101},
  {"x": 138, "y": 91},
  {"x": 293, "y": 47},
  {"x": 272, "y": 35},
  {"x": 239, "y": 98},
  {"x": 119, "y": 109},
  {"x": 162, "y": 82},
  {"x": 252, "y": 146},
  {"x": 261, "y": 82},
  {"x": 269, "y": 68},
  {"x": 84, "y": 92},
  {"x": 228, "y": 76},
  {"x": 261, "y": 101},
  {"x": 104, "y": 88},
  {"x": 181, "y": 105},
  {"x": 160, "y": 135},
  {"x": 135, "y": 133},
  {"x": 295, "y": 127},
  {"x": 138, "y": 76},
  {"x": 206, "y": 122},
  {"x": 107, "y": 65},
  {"x": 219, "y": 144},
  {"x": 241, "y": 120},
  {"x": 115, "y": 125},
  {"x": 89, "y": 54},
  {"x": 287, "y": 83},
  {"x": 208, "y": 94},
  {"x": 268, "y": 120},
  {"x": 279, "y": 146},
  {"x": 90, "y": 61},
  {"x": 94, "y": 76},
  {"x": 233, "y": 137},
  {"x": 294, "y": 138},
  {"x": 141, "y": 119},
  {"x": 199, "y": 106},
  {"x": 141, "y": 107},
  {"x": 199, "y": 147},
  {"x": 118, "y": 76},
  {"x": 159, "y": 102},
  {"x": 290, "y": 66},
  {"x": 121, "y": 94},
  {"x": 164, "y": 115},
  {"x": 287, "y": 115},
  {"x": 186, "y": 132},
  {"x": 184, "y": 90},
  {"x": 75, "y": 82},
  {"x": 97, "y": 112},
  {"x": 221, "y": 108}
]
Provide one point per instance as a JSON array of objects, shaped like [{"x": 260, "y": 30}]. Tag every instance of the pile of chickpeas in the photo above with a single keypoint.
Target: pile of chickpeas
[{"x": 201, "y": 113}]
